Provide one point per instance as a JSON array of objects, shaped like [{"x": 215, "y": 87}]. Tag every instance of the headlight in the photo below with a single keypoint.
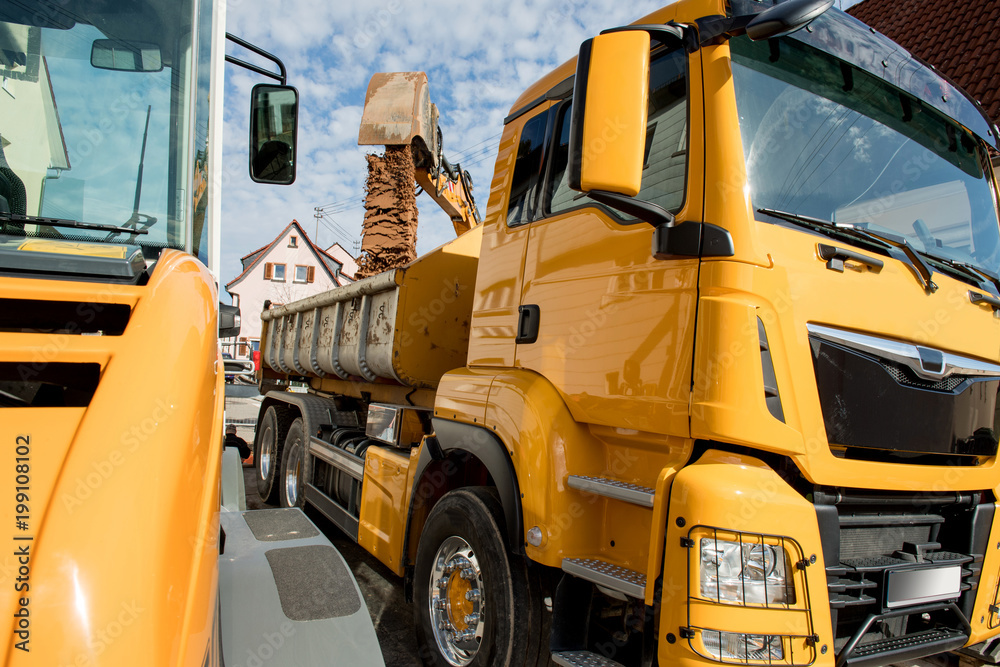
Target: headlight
[
  {"x": 742, "y": 573},
  {"x": 736, "y": 646}
]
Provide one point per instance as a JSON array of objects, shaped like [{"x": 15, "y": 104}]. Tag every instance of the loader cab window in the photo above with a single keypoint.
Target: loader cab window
[
  {"x": 526, "y": 168},
  {"x": 104, "y": 120},
  {"x": 665, "y": 166}
]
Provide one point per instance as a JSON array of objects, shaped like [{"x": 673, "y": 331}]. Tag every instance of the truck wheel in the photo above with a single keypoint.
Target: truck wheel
[
  {"x": 267, "y": 457},
  {"x": 471, "y": 597},
  {"x": 292, "y": 460}
]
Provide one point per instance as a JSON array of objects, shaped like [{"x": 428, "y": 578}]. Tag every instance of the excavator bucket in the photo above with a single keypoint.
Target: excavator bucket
[{"x": 398, "y": 112}]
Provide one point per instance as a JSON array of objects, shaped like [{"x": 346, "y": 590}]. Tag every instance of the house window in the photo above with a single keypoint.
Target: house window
[
  {"x": 274, "y": 272},
  {"x": 305, "y": 274},
  {"x": 293, "y": 242}
]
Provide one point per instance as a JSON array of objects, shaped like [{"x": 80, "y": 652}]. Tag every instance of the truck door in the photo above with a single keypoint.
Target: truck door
[
  {"x": 505, "y": 234},
  {"x": 610, "y": 326}
]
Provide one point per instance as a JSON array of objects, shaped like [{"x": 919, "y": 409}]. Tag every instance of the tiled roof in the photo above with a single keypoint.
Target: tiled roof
[{"x": 958, "y": 37}]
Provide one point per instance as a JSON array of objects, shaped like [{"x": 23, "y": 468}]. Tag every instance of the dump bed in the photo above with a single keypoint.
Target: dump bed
[{"x": 408, "y": 325}]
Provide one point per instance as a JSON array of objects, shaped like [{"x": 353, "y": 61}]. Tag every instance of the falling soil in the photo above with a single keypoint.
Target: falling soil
[{"x": 389, "y": 231}]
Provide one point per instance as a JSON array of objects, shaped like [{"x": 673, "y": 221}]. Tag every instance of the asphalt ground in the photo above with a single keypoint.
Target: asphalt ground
[{"x": 391, "y": 615}]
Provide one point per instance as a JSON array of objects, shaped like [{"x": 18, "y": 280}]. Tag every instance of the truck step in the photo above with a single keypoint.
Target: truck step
[
  {"x": 612, "y": 488},
  {"x": 608, "y": 575},
  {"x": 582, "y": 659}
]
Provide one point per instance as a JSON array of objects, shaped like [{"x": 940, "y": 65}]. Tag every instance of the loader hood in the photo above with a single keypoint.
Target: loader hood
[{"x": 116, "y": 531}]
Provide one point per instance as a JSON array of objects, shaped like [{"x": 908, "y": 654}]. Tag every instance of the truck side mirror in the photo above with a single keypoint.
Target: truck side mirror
[
  {"x": 229, "y": 321},
  {"x": 607, "y": 140},
  {"x": 274, "y": 114}
]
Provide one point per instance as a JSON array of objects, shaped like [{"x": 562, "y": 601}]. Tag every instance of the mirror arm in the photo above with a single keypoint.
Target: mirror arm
[
  {"x": 670, "y": 240},
  {"x": 648, "y": 212},
  {"x": 281, "y": 76},
  {"x": 712, "y": 27}
]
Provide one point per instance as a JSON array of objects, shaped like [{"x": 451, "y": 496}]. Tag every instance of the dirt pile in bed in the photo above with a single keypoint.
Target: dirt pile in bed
[{"x": 389, "y": 231}]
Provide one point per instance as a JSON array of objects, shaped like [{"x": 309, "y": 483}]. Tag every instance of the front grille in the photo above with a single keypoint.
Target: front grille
[
  {"x": 906, "y": 377},
  {"x": 868, "y": 537},
  {"x": 873, "y": 409}
]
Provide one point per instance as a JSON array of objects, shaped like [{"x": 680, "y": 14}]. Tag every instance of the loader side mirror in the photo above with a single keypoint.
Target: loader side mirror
[
  {"x": 229, "y": 321},
  {"x": 274, "y": 114},
  {"x": 608, "y": 124}
]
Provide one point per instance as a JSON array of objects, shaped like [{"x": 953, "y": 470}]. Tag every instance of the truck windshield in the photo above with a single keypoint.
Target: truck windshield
[
  {"x": 96, "y": 114},
  {"x": 825, "y": 140}
]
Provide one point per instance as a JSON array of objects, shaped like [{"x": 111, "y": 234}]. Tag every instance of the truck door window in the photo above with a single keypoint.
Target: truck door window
[
  {"x": 665, "y": 165},
  {"x": 526, "y": 168}
]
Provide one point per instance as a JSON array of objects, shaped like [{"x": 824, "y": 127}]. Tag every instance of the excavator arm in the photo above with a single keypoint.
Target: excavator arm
[{"x": 398, "y": 112}]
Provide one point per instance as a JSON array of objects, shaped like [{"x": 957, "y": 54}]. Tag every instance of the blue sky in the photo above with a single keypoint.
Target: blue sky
[{"x": 479, "y": 57}]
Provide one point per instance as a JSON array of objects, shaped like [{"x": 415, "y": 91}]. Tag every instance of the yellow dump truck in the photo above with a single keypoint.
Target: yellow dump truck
[
  {"x": 715, "y": 380},
  {"x": 124, "y": 541}
]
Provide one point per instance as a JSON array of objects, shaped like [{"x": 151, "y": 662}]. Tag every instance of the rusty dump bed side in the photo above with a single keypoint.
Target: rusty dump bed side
[{"x": 405, "y": 326}]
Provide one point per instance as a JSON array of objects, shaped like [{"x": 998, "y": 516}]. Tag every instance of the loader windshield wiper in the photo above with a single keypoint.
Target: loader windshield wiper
[
  {"x": 893, "y": 245},
  {"x": 7, "y": 218}
]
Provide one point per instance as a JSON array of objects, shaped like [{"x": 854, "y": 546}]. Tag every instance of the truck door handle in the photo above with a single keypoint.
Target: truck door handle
[
  {"x": 527, "y": 324},
  {"x": 979, "y": 297},
  {"x": 837, "y": 256}
]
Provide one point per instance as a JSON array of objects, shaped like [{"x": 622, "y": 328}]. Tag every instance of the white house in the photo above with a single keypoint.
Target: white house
[{"x": 289, "y": 268}]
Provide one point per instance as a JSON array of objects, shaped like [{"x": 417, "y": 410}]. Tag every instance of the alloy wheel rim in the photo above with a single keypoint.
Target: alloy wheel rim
[
  {"x": 266, "y": 454},
  {"x": 456, "y": 601},
  {"x": 292, "y": 476}
]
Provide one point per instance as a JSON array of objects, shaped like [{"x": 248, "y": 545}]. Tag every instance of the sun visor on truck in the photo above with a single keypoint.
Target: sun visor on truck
[
  {"x": 72, "y": 260},
  {"x": 848, "y": 39}
]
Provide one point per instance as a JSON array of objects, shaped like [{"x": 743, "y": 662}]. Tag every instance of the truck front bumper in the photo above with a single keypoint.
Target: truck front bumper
[{"x": 756, "y": 572}]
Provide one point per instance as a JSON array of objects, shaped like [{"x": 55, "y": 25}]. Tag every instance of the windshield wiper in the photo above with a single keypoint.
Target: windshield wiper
[
  {"x": 983, "y": 279},
  {"x": 136, "y": 217},
  {"x": 897, "y": 247},
  {"x": 61, "y": 222}
]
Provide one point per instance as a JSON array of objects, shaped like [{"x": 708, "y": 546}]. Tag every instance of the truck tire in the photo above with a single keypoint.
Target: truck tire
[
  {"x": 290, "y": 482},
  {"x": 474, "y": 603},
  {"x": 267, "y": 454}
]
